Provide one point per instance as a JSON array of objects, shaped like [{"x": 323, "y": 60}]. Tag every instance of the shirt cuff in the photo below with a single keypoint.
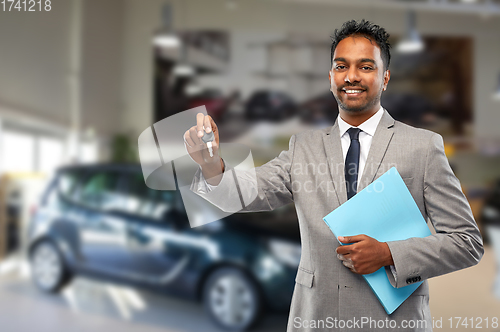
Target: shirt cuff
[
  {"x": 393, "y": 270},
  {"x": 208, "y": 186}
]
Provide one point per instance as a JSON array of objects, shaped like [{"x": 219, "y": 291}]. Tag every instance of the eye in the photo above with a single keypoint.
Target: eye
[
  {"x": 339, "y": 67},
  {"x": 367, "y": 68}
]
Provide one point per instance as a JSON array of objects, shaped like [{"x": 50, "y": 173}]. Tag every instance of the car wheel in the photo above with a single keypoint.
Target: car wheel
[
  {"x": 232, "y": 299},
  {"x": 47, "y": 267}
]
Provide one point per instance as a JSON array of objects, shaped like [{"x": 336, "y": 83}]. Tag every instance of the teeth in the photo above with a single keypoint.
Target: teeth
[{"x": 353, "y": 91}]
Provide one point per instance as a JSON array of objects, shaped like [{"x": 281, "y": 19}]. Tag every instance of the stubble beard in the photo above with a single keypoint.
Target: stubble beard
[{"x": 358, "y": 109}]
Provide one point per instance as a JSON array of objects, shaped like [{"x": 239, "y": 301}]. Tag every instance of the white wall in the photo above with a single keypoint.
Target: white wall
[
  {"x": 140, "y": 21},
  {"x": 34, "y": 57},
  {"x": 35, "y": 53},
  {"x": 102, "y": 65}
]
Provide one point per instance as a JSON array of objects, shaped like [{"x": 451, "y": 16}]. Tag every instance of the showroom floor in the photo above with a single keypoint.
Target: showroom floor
[
  {"x": 466, "y": 294},
  {"x": 89, "y": 305}
]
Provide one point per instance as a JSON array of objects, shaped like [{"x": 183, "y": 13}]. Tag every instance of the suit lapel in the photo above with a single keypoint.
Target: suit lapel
[
  {"x": 335, "y": 159},
  {"x": 380, "y": 143},
  {"x": 333, "y": 148}
]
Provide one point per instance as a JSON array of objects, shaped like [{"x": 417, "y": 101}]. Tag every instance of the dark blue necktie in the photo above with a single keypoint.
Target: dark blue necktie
[{"x": 352, "y": 163}]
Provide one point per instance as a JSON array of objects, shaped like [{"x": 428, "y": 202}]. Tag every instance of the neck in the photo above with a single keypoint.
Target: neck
[{"x": 357, "y": 118}]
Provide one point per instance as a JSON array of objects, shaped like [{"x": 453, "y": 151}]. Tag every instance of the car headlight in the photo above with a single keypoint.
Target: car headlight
[{"x": 286, "y": 252}]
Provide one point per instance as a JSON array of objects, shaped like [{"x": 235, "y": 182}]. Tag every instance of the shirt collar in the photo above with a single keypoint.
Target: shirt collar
[{"x": 369, "y": 126}]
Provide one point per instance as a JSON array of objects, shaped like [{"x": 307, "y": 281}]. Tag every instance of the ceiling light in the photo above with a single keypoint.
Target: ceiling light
[
  {"x": 183, "y": 70},
  {"x": 193, "y": 89},
  {"x": 167, "y": 41},
  {"x": 165, "y": 36},
  {"x": 411, "y": 42}
]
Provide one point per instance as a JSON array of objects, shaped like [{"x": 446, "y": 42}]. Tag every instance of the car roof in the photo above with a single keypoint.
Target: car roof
[{"x": 100, "y": 166}]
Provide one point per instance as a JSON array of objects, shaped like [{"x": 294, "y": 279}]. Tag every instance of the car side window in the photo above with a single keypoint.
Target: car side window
[
  {"x": 67, "y": 182},
  {"x": 177, "y": 215},
  {"x": 63, "y": 186},
  {"x": 146, "y": 202},
  {"x": 100, "y": 191}
]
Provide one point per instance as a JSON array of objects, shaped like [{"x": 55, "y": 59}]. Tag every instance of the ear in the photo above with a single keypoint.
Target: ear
[
  {"x": 330, "y": 77},
  {"x": 387, "y": 77}
]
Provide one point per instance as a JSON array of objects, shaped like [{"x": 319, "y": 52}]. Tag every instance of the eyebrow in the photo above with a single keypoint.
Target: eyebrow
[{"x": 361, "y": 60}]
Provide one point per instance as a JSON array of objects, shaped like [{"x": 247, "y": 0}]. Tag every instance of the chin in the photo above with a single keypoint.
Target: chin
[
  {"x": 357, "y": 108},
  {"x": 350, "y": 108},
  {"x": 353, "y": 108}
]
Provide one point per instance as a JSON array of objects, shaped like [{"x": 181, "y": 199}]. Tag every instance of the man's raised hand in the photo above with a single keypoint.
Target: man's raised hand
[{"x": 196, "y": 148}]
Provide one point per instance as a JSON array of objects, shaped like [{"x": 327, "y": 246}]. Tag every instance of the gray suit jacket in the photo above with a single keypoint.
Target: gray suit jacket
[{"x": 311, "y": 174}]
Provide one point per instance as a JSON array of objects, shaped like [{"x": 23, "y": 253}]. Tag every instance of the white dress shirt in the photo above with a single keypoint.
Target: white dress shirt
[
  {"x": 365, "y": 137},
  {"x": 365, "y": 141}
]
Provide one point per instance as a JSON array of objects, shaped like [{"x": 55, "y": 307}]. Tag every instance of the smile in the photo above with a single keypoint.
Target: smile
[{"x": 353, "y": 91}]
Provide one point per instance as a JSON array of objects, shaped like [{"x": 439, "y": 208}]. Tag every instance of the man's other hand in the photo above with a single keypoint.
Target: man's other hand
[{"x": 364, "y": 254}]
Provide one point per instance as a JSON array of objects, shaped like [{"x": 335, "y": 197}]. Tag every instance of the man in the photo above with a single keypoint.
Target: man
[{"x": 364, "y": 142}]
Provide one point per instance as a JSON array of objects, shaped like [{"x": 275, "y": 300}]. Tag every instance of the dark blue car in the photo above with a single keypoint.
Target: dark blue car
[{"x": 103, "y": 221}]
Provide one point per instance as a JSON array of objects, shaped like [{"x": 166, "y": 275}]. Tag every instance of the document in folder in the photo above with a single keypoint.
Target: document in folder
[{"x": 386, "y": 211}]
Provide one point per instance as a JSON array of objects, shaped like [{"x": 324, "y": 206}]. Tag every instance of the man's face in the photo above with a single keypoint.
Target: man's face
[{"x": 357, "y": 77}]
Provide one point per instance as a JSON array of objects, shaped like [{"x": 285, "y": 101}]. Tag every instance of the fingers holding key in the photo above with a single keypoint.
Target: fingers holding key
[{"x": 200, "y": 151}]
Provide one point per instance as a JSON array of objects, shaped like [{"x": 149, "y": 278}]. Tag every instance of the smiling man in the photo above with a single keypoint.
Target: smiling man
[
  {"x": 364, "y": 142},
  {"x": 359, "y": 74}
]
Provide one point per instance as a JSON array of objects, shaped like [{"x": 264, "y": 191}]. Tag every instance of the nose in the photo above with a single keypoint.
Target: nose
[{"x": 352, "y": 75}]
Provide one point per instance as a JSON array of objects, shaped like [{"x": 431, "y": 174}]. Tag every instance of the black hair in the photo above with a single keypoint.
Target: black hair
[{"x": 367, "y": 29}]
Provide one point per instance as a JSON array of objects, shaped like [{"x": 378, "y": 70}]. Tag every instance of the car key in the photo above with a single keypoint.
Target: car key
[{"x": 208, "y": 138}]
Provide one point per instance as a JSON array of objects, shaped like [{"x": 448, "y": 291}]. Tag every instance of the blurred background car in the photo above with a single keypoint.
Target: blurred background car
[
  {"x": 269, "y": 105},
  {"x": 409, "y": 108},
  {"x": 321, "y": 109},
  {"x": 103, "y": 221},
  {"x": 215, "y": 103}
]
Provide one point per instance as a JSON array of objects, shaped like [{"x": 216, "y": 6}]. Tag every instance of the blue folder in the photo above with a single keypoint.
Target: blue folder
[{"x": 386, "y": 211}]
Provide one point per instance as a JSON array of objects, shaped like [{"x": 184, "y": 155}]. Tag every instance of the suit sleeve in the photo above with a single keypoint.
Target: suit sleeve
[
  {"x": 457, "y": 243},
  {"x": 262, "y": 188}
]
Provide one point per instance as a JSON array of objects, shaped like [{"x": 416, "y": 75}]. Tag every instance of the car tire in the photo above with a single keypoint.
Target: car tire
[
  {"x": 232, "y": 299},
  {"x": 48, "y": 269}
]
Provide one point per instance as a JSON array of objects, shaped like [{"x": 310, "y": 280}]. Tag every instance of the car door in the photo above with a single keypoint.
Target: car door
[
  {"x": 156, "y": 236},
  {"x": 102, "y": 225}
]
